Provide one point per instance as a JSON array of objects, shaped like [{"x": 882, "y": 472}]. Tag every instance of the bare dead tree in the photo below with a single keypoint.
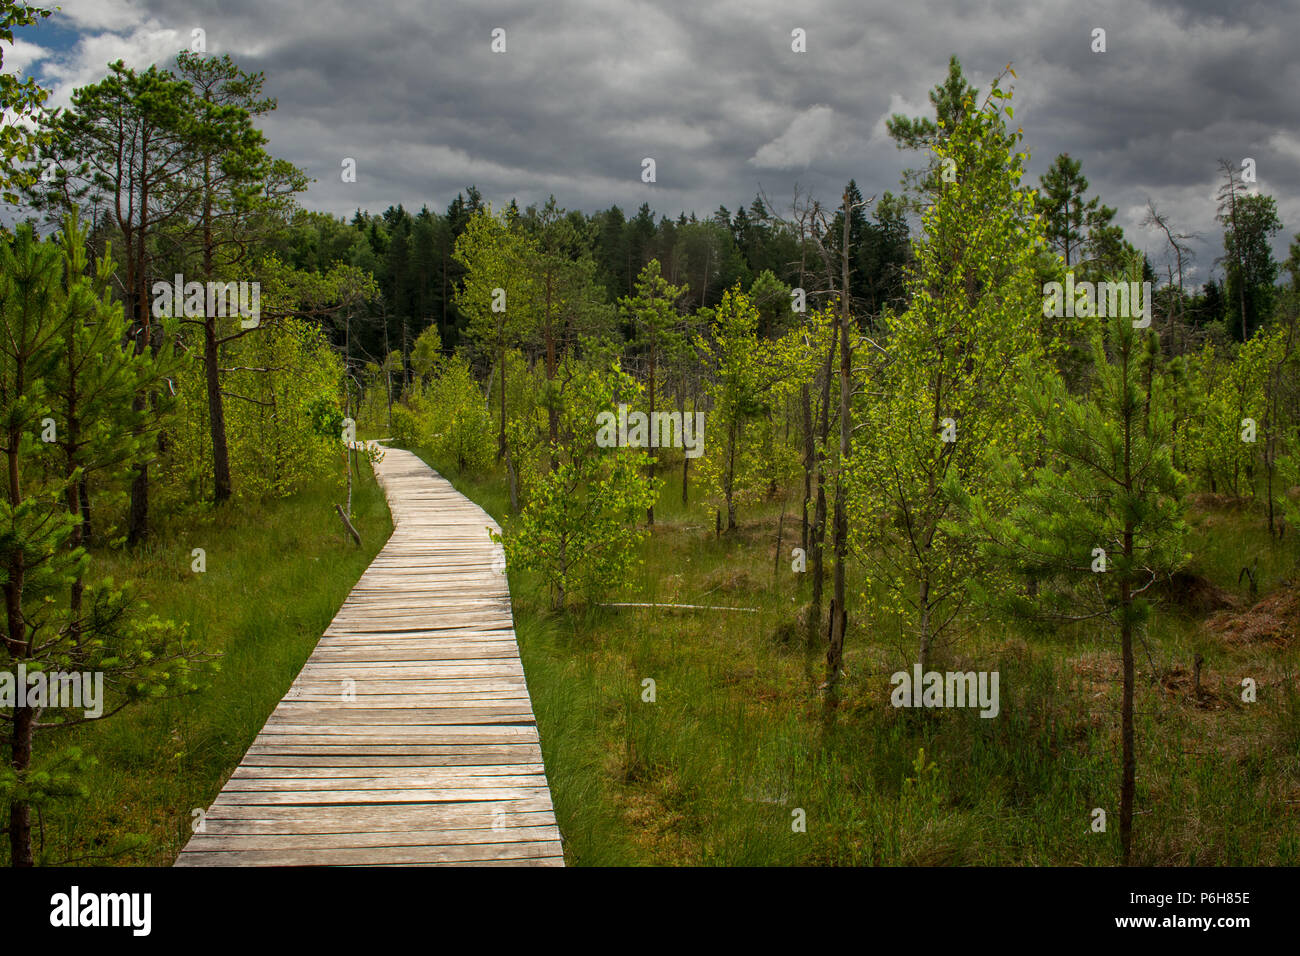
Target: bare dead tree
[{"x": 1182, "y": 256}]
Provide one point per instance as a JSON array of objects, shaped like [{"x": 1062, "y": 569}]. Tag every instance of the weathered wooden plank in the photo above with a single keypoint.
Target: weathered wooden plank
[
  {"x": 357, "y": 715},
  {"x": 403, "y": 838},
  {"x": 418, "y": 700},
  {"x": 472, "y": 775},
  {"x": 470, "y": 657},
  {"x": 514, "y": 686},
  {"x": 406, "y": 672},
  {"x": 446, "y": 734},
  {"x": 325, "y": 745},
  {"x": 357, "y": 818},
  {"x": 404, "y": 795},
  {"x": 485, "y": 827},
  {"x": 368, "y": 856},
  {"x": 424, "y": 779},
  {"x": 370, "y": 759},
  {"x": 408, "y": 738}
]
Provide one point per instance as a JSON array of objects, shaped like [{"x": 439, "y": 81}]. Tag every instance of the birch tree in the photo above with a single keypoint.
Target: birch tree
[{"x": 941, "y": 386}]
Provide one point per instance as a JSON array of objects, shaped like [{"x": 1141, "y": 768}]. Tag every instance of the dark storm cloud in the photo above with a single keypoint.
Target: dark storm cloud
[{"x": 713, "y": 92}]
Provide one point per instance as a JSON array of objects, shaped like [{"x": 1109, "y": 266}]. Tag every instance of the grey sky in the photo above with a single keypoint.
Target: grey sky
[{"x": 713, "y": 92}]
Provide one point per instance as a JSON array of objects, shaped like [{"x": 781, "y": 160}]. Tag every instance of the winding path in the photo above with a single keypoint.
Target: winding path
[{"x": 408, "y": 737}]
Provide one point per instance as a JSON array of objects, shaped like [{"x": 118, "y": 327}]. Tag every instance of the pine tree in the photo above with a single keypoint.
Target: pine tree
[
  {"x": 1101, "y": 523},
  {"x": 244, "y": 193},
  {"x": 127, "y": 142},
  {"x": 57, "y": 325},
  {"x": 950, "y": 100},
  {"x": 1065, "y": 209},
  {"x": 1250, "y": 221}
]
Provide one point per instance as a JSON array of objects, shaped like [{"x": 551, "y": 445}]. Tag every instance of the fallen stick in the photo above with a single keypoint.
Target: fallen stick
[
  {"x": 689, "y": 607},
  {"x": 348, "y": 524}
]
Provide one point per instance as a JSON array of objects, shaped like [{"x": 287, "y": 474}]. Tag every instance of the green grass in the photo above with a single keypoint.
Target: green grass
[
  {"x": 276, "y": 574},
  {"x": 737, "y": 739}
]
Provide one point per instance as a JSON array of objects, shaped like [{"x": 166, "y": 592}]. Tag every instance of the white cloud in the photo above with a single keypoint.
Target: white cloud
[
  {"x": 807, "y": 137},
  {"x": 88, "y": 61},
  {"x": 117, "y": 15},
  {"x": 897, "y": 104},
  {"x": 19, "y": 56},
  {"x": 1286, "y": 143}
]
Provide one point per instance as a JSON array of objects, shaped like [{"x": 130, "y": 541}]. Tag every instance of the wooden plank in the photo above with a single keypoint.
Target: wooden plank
[
  {"x": 404, "y": 795},
  {"x": 449, "y": 733},
  {"x": 404, "y": 838},
  {"x": 354, "y": 777},
  {"x": 371, "y": 759},
  {"x": 408, "y": 738},
  {"x": 369, "y": 856},
  {"x": 506, "y": 826},
  {"x": 360, "y": 818},
  {"x": 356, "y": 715}
]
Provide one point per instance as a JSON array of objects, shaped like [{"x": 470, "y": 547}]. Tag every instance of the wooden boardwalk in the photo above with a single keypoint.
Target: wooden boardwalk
[{"x": 408, "y": 738}]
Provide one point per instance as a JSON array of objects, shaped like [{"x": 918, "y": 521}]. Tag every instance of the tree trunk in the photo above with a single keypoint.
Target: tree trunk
[
  {"x": 20, "y": 812},
  {"x": 138, "y": 516},
  {"x": 78, "y": 587},
  {"x": 650, "y": 467},
  {"x": 552, "y": 413},
  {"x": 1236, "y": 245},
  {"x": 819, "y": 514},
  {"x": 221, "y": 484},
  {"x": 18, "y": 646},
  {"x": 923, "y": 599},
  {"x": 73, "y": 491},
  {"x": 808, "y": 445},
  {"x": 730, "y": 479},
  {"x": 840, "y": 615},
  {"x": 686, "y": 461},
  {"x": 501, "y": 445},
  {"x": 780, "y": 530},
  {"x": 83, "y": 490},
  {"x": 1129, "y": 773},
  {"x": 1129, "y": 770}
]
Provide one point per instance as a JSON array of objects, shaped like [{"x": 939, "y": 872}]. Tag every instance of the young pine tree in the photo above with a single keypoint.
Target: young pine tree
[
  {"x": 1101, "y": 522},
  {"x": 51, "y": 314}
]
